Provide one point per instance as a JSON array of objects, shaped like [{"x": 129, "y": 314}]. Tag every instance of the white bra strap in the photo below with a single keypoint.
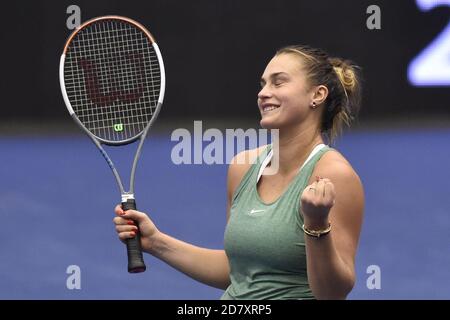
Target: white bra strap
[
  {"x": 312, "y": 154},
  {"x": 270, "y": 155},
  {"x": 264, "y": 164}
]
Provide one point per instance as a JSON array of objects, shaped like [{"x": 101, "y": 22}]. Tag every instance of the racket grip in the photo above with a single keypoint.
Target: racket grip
[{"x": 134, "y": 251}]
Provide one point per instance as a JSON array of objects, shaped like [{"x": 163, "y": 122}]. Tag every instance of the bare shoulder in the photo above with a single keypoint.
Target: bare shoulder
[
  {"x": 347, "y": 183},
  {"x": 349, "y": 192},
  {"x": 334, "y": 166},
  {"x": 239, "y": 165}
]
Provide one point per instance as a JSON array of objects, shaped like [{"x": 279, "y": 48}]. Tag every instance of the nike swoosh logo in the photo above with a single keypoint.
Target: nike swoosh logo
[{"x": 256, "y": 211}]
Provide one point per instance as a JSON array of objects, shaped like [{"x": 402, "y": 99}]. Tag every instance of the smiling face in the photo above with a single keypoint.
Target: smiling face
[{"x": 286, "y": 96}]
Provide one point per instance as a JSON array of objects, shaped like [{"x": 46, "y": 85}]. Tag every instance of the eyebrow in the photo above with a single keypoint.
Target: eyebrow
[{"x": 274, "y": 75}]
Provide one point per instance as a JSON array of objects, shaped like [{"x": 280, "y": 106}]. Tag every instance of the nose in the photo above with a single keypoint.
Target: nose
[{"x": 264, "y": 93}]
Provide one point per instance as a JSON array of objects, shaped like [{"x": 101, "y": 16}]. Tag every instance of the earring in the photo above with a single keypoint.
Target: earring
[{"x": 314, "y": 105}]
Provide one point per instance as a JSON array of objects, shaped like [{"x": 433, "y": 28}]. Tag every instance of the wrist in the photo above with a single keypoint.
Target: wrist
[
  {"x": 317, "y": 233},
  {"x": 316, "y": 224},
  {"x": 155, "y": 244}
]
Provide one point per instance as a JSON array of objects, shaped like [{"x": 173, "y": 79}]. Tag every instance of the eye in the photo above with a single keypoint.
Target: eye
[{"x": 279, "y": 81}]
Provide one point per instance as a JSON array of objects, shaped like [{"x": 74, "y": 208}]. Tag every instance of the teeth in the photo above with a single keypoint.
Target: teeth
[{"x": 270, "y": 108}]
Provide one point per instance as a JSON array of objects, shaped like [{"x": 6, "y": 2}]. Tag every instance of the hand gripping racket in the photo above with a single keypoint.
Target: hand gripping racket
[{"x": 112, "y": 80}]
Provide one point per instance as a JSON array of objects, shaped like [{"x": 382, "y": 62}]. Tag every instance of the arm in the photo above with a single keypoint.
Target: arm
[
  {"x": 204, "y": 265},
  {"x": 330, "y": 259},
  {"x": 208, "y": 266}
]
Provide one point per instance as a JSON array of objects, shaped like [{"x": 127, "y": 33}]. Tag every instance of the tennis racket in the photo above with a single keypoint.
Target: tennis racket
[{"x": 112, "y": 80}]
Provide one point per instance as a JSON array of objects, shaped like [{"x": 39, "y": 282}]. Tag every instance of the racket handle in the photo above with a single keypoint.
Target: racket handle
[{"x": 135, "y": 260}]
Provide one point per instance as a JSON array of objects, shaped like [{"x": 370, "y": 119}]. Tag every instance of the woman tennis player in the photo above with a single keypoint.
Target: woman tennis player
[{"x": 293, "y": 233}]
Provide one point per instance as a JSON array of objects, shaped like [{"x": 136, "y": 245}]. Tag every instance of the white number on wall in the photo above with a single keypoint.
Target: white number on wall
[{"x": 432, "y": 66}]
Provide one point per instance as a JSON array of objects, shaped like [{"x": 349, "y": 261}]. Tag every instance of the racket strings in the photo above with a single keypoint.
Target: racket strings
[{"x": 112, "y": 79}]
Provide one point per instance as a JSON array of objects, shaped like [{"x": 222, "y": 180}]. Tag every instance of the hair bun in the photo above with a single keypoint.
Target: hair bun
[{"x": 345, "y": 72}]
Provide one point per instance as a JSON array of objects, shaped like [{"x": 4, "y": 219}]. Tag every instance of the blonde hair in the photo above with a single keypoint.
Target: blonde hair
[{"x": 342, "y": 80}]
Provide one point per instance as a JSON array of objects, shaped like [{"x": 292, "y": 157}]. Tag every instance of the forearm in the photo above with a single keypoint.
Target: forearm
[
  {"x": 205, "y": 265},
  {"x": 328, "y": 275}
]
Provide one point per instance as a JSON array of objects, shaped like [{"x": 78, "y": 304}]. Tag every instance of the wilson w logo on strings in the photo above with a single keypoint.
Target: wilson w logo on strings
[{"x": 121, "y": 79}]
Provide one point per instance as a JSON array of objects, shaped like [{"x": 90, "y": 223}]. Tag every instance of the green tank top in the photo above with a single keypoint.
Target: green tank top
[{"x": 265, "y": 243}]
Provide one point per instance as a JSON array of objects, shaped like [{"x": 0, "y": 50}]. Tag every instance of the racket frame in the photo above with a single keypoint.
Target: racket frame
[{"x": 127, "y": 195}]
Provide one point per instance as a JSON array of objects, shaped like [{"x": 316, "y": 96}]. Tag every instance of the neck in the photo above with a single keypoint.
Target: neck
[{"x": 294, "y": 146}]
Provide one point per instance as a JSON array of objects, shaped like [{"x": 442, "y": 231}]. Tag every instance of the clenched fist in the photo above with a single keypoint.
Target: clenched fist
[{"x": 317, "y": 199}]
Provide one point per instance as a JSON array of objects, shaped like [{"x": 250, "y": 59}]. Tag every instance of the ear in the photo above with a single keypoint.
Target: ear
[{"x": 320, "y": 94}]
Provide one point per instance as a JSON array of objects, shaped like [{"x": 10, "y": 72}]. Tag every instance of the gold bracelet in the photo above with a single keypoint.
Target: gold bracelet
[{"x": 317, "y": 233}]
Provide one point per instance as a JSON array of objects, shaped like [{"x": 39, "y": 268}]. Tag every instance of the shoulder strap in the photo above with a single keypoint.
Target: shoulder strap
[
  {"x": 250, "y": 172},
  {"x": 270, "y": 155}
]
